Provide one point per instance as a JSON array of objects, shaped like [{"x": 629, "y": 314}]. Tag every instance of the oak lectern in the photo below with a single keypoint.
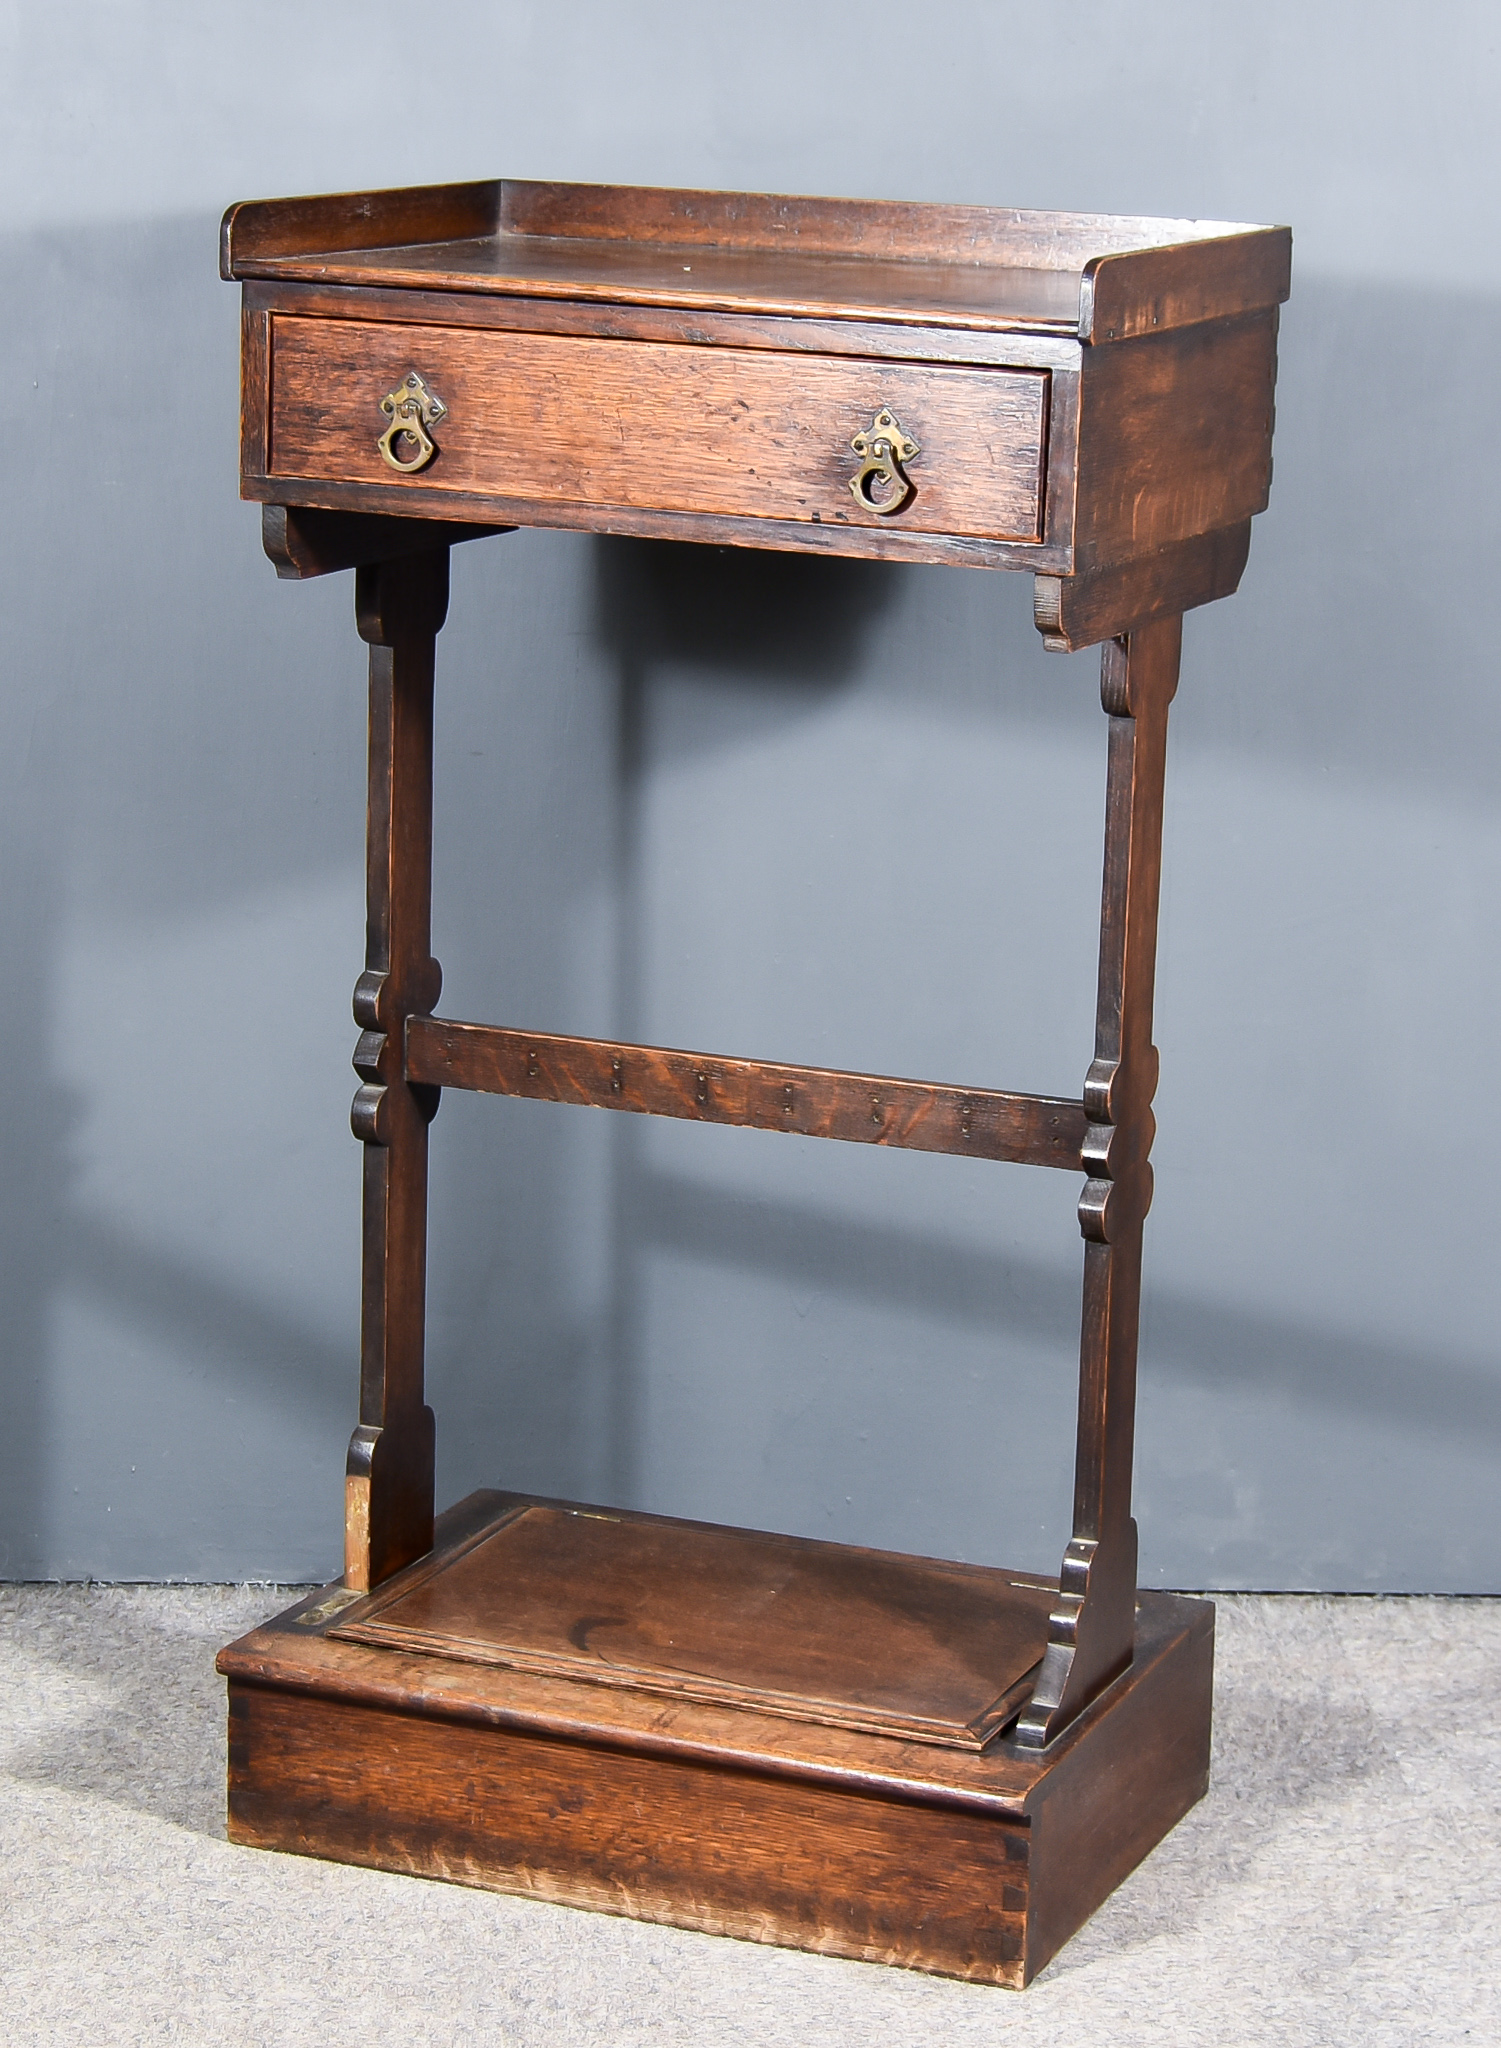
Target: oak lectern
[{"x": 873, "y": 1755}]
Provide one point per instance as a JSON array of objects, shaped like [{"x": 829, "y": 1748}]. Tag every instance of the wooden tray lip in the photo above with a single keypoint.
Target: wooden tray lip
[
  {"x": 522, "y": 209},
  {"x": 773, "y": 236},
  {"x": 836, "y": 225},
  {"x": 363, "y": 1622}
]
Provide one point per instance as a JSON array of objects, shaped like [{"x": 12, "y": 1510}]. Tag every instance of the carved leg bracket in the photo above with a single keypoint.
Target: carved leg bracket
[{"x": 1092, "y": 1629}]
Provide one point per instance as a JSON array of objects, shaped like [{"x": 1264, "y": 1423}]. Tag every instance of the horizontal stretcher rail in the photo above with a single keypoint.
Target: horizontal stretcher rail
[{"x": 1035, "y": 1130}]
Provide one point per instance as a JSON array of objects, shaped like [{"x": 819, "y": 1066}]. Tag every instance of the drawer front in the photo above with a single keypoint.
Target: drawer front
[{"x": 566, "y": 419}]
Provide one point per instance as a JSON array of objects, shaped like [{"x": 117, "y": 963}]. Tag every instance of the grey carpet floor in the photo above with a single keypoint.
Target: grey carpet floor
[{"x": 1340, "y": 1884}]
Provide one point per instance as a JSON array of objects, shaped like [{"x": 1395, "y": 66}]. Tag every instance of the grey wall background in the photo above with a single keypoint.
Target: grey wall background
[{"x": 799, "y": 809}]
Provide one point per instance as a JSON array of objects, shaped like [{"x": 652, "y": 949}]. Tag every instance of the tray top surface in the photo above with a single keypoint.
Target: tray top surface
[
  {"x": 935, "y": 1652},
  {"x": 967, "y": 266},
  {"x": 713, "y": 279}
]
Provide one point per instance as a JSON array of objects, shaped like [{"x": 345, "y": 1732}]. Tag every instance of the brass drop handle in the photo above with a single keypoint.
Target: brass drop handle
[
  {"x": 881, "y": 484},
  {"x": 411, "y": 409}
]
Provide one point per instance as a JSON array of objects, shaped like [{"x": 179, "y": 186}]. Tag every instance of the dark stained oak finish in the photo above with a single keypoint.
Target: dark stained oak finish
[
  {"x": 585, "y": 1824},
  {"x": 800, "y": 1828},
  {"x": 1092, "y": 1626},
  {"x": 1100, "y": 276},
  {"x": 600, "y": 422},
  {"x": 1074, "y": 611},
  {"x": 303, "y": 542},
  {"x": 388, "y": 1512},
  {"x": 695, "y": 365},
  {"x": 1175, "y": 439},
  {"x": 939, "y": 1765},
  {"x": 822, "y": 1632},
  {"x": 864, "y": 1109},
  {"x": 275, "y": 229}
]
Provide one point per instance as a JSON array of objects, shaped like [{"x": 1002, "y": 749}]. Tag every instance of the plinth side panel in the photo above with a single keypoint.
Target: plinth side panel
[
  {"x": 725, "y": 1852},
  {"x": 1106, "y": 1804}
]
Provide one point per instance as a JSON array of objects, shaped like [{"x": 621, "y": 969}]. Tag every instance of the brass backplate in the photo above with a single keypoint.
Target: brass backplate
[
  {"x": 881, "y": 485},
  {"x": 411, "y": 408}
]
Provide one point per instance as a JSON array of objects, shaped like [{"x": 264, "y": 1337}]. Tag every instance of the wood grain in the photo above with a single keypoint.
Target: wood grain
[
  {"x": 654, "y": 522},
  {"x": 297, "y": 1651},
  {"x": 255, "y": 389},
  {"x": 874, "y": 230},
  {"x": 976, "y": 1864},
  {"x": 303, "y": 541},
  {"x": 762, "y": 1859},
  {"x": 787, "y": 1741},
  {"x": 589, "y": 422},
  {"x": 617, "y": 273},
  {"x": 1149, "y": 291},
  {"x": 856, "y": 1638},
  {"x": 1175, "y": 438},
  {"x": 1137, "y": 1771},
  {"x": 260, "y": 228},
  {"x": 1080, "y": 611},
  {"x": 400, "y": 607},
  {"x": 993, "y": 268},
  {"x": 1093, "y": 1625},
  {"x": 868, "y": 1109},
  {"x": 697, "y": 327}
]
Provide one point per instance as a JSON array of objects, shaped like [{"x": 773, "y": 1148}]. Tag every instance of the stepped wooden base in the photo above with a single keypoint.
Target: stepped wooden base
[{"x": 781, "y": 1740}]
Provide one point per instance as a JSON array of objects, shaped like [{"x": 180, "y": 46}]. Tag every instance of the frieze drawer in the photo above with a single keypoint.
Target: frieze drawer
[{"x": 574, "y": 421}]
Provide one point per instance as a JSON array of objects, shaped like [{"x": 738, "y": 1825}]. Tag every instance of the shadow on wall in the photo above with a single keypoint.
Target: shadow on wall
[
  {"x": 528, "y": 1323},
  {"x": 170, "y": 759},
  {"x": 795, "y": 625},
  {"x": 796, "y": 629},
  {"x": 36, "y": 1119},
  {"x": 184, "y": 736},
  {"x": 1198, "y": 1342}
]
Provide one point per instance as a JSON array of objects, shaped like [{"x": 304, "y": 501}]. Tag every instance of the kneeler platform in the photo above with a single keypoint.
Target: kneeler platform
[{"x": 754, "y": 1735}]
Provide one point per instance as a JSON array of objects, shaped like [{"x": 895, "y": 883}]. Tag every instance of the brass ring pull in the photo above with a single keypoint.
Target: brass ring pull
[
  {"x": 411, "y": 409},
  {"x": 881, "y": 486}
]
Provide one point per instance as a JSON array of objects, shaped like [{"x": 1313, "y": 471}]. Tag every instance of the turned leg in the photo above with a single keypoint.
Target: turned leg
[
  {"x": 1093, "y": 1626},
  {"x": 388, "y": 1520}
]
